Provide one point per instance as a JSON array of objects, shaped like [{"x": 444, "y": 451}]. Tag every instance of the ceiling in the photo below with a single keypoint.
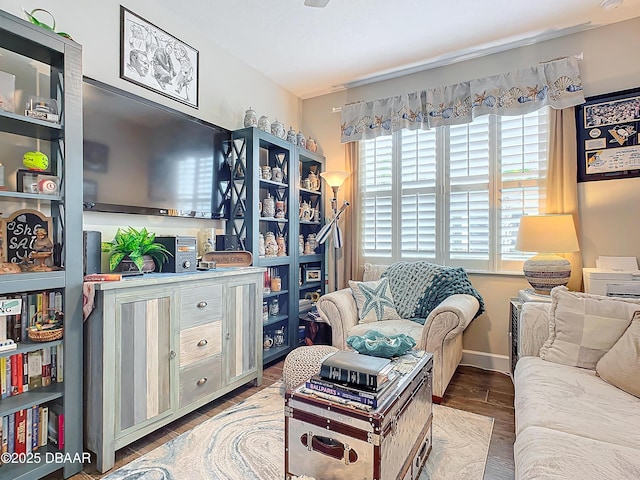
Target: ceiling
[{"x": 314, "y": 51}]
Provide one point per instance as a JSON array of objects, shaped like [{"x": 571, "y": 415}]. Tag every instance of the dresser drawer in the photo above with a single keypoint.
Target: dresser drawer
[
  {"x": 200, "y": 305},
  {"x": 200, "y": 380},
  {"x": 200, "y": 342}
]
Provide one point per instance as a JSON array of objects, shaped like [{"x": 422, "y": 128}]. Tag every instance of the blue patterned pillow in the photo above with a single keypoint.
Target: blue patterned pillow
[
  {"x": 376, "y": 344},
  {"x": 374, "y": 301}
]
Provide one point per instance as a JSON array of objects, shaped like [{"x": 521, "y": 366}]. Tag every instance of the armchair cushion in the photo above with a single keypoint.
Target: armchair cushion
[
  {"x": 583, "y": 327},
  {"x": 374, "y": 301}
]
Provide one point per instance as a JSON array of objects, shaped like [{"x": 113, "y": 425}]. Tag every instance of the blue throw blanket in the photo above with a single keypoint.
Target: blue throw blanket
[{"x": 419, "y": 287}]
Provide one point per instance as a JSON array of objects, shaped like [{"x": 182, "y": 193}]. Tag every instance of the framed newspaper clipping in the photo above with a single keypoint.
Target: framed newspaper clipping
[{"x": 607, "y": 136}]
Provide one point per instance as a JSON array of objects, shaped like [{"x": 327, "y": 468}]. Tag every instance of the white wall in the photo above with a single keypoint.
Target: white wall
[
  {"x": 608, "y": 215},
  {"x": 227, "y": 85}
]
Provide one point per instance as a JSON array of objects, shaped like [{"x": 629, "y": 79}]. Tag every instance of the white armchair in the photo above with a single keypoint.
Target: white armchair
[{"x": 441, "y": 333}]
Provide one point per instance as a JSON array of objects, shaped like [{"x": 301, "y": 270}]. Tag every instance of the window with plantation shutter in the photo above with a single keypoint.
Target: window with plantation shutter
[{"x": 453, "y": 195}]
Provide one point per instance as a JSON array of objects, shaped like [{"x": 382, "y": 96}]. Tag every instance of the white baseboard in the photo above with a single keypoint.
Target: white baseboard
[{"x": 486, "y": 361}]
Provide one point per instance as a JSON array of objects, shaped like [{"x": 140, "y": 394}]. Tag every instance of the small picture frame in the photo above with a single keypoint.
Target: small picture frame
[
  {"x": 312, "y": 275},
  {"x": 27, "y": 181}
]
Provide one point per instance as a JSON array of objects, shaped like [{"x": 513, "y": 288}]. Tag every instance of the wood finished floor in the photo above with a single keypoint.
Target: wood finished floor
[{"x": 471, "y": 389}]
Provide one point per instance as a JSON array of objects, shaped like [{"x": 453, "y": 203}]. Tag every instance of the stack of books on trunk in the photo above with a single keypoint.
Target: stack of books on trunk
[{"x": 361, "y": 381}]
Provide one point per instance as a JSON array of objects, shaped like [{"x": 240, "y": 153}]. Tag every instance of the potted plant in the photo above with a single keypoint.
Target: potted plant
[{"x": 132, "y": 249}]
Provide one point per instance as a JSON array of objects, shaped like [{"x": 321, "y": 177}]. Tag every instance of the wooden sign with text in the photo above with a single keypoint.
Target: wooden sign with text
[{"x": 19, "y": 233}]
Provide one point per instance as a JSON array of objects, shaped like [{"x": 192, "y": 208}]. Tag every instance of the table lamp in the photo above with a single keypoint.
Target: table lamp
[{"x": 547, "y": 235}]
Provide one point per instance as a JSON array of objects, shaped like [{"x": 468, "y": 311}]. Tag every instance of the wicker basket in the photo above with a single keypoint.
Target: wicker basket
[{"x": 46, "y": 335}]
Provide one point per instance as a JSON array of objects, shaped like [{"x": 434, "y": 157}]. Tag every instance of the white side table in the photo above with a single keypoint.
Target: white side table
[{"x": 514, "y": 321}]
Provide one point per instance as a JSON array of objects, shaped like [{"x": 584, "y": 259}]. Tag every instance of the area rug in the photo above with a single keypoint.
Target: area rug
[{"x": 246, "y": 442}]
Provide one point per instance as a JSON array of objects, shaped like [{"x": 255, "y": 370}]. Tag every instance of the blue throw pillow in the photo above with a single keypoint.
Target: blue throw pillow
[{"x": 376, "y": 344}]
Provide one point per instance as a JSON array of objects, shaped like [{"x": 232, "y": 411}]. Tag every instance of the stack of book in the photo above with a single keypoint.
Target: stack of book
[{"x": 361, "y": 381}]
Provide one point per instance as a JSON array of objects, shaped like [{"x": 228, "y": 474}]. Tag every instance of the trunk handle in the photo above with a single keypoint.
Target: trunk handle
[{"x": 330, "y": 447}]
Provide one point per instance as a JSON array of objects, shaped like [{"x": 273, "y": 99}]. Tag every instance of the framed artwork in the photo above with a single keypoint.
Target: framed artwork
[
  {"x": 607, "y": 136},
  {"x": 154, "y": 59},
  {"x": 312, "y": 275}
]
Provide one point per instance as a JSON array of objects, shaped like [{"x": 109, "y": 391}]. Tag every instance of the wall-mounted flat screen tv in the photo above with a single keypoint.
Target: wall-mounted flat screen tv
[{"x": 142, "y": 157}]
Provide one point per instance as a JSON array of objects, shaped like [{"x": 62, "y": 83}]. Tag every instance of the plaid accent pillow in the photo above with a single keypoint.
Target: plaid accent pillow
[
  {"x": 374, "y": 301},
  {"x": 583, "y": 327},
  {"x": 620, "y": 366}
]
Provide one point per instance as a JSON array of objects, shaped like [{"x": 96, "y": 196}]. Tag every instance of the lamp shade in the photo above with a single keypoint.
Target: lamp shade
[
  {"x": 334, "y": 178},
  {"x": 547, "y": 234}
]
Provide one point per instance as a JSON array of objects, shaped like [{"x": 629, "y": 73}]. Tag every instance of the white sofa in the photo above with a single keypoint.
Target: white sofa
[
  {"x": 569, "y": 422},
  {"x": 441, "y": 334}
]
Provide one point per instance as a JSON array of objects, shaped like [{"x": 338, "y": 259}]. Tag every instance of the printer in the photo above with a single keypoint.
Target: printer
[{"x": 613, "y": 276}]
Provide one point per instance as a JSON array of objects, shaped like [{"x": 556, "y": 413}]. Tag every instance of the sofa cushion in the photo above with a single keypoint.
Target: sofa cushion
[
  {"x": 583, "y": 327},
  {"x": 374, "y": 301},
  {"x": 550, "y": 454},
  {"x": 574, "y": 400},
  {"x": 620, "y": 366}
]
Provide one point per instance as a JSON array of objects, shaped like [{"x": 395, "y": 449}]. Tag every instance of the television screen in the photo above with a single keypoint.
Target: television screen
[{"x": 142, "y": 157}]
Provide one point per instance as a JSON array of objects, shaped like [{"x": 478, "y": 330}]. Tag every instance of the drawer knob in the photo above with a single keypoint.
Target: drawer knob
[
  {"x": 202, "y": 342},
  {"x": 202, "y": 381},
  {"x": 201, "y": 304}
]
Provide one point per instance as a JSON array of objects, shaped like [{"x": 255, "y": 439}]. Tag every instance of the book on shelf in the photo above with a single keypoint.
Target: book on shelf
[
  {"x": 56, "y": 425},
  {"x": 20, "y": 441},
  {"x": 357, "y": 369},
  {"x": 348, "y": 392},
  {"x": 43, "y": 428},
  {"x": 34, "y": 363},
  {"x": 103, "y": 277}
]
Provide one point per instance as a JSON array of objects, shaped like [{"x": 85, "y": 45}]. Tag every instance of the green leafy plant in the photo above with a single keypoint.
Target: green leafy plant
[{"x": 135, "y": 245}]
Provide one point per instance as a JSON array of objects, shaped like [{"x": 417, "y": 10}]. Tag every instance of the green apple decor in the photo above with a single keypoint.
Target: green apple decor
[{"x": 131, "y": 247}]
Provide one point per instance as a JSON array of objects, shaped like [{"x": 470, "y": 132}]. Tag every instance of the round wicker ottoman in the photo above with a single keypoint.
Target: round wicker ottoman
[{"x": 303, "y": 363}]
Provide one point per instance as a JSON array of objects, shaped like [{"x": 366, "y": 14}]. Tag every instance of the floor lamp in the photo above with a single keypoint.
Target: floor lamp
[{"x": 334, "y": 179}]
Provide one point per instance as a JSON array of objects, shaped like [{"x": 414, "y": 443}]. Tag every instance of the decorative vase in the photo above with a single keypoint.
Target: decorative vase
[
  {"x": 263, "y": 124},
  {"x": 282, "y": 245},
  {"x": 300, "y": 140},
  {"x": 279, "y": 337},
  {"x": 270, "y": 245},
  {"x": 250, "y": 119},
  {"x": 292, "y": 136},
  {"x": 268, "y": 207},
  {"x": 274, "y": 307},
  {"x": 280, "y": 209},
  {"x": 313, "y": 243},
  {"x": 312, "y": 146},
  {"x": 261, "y": 245},
  {"x": 305, "y": 211},
  {"x": 277, "y": 129},
  {"x": 301, "y": 244},
  {"x": 266, "y": 172},
  {"x": 314, "y": 181},
  {"x": 307, "y": 248},
  {"x": 276, "y": 174}
]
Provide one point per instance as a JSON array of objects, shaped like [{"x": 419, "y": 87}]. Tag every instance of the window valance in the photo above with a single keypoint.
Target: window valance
[{"x": 556, "y": 84}]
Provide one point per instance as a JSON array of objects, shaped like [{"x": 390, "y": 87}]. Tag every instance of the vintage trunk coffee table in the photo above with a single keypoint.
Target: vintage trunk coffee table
[{"x": 327, "y": 440}]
